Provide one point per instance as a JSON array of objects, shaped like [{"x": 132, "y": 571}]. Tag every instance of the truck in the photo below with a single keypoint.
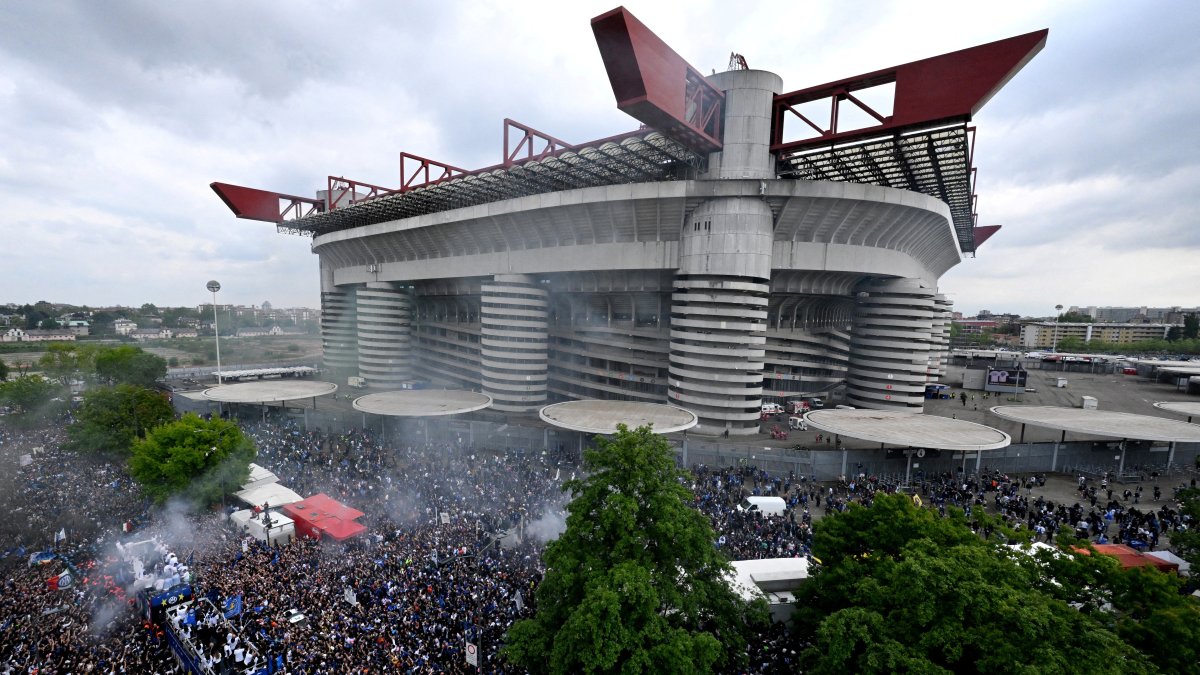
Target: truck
[
  {"x": 798, "y": 407},
  {"x": 356, "y": 381},
  {"x": 772, "y": 409}
]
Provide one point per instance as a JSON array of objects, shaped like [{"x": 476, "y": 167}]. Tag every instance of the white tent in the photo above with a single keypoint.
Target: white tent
[
  {"x": 1184, "y": 566},
  {"x": 259, "y": 476},
  {"x": 272, "y": 494}
]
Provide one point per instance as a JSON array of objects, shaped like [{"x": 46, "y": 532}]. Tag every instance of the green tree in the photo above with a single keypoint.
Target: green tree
[
  {"x": 31, "y": 395},
  {"x": 201, "y": 460},
  {"x": 1191, "y": 327},
  {"x": 1186, "y": 543},
  {"x": 129, "y": 365},
  {"x": 1157, "y": 619},
  {"x": 634, "y": 584},
  {"x": 49, "y": 324},
  {"x": 1174, "y": 334},
  {"x": 1071, "y": 343},
  {"x": 903, "y": 590},
  {"x": 63, "y": 361},
  {"x": 3, "y": 370},
  {"x": 110, "y": 419}
]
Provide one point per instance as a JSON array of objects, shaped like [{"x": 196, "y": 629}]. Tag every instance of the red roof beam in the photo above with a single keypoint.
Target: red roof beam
[
  {"x": 424, "y": 172},
  {"x": 269, "y": 207},
  {"x": 529, "y": 139},
  {"x": 947, "y": 88},
  {"x": 655, "y": 85},
  {"x": 344, "y": 192}
]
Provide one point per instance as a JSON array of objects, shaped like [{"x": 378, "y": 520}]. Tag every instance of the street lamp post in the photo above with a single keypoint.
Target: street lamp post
[
  {"x": 1054, "y": 344},
  {"x": 214, "y": 287}
]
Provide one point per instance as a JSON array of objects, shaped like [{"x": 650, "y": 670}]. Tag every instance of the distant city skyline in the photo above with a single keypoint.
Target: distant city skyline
[{"x": 117, "y": 117}]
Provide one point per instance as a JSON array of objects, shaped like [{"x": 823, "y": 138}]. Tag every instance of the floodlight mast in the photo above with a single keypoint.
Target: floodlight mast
[{"x": 214, "y": 287}]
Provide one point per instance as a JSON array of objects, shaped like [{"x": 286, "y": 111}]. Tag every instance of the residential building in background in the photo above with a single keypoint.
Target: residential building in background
[{"x": 1041, "y": 334}]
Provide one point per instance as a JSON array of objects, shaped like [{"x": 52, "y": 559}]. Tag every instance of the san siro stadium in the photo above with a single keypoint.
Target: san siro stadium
[{"x": 744, "y": 244}]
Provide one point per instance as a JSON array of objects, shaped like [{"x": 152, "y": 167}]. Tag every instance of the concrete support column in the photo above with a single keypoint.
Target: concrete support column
[
  {"x": 513, "y": 342},
  {"x": 939, "y": 346},
  {"x": 719, "y": 315},
  {"x": 384, "y": 316},
  {"x": 749, "y": 95},
  {"x": 338, "y": 338},
  {"x": 889, "y": 345}
]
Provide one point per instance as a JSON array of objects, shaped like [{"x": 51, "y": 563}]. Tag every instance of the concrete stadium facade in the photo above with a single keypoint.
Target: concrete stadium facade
[
  {"x": 708, "y": 293},
  {"x": 640, "y": 268}
]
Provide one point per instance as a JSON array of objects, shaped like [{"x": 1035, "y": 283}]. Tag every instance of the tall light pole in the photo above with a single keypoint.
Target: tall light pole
[
  {"x": 1054, "y": 343},
  {"x": 214, "y": 287}
]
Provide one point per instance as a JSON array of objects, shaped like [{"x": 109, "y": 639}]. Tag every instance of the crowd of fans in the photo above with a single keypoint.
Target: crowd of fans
[{"x": 452, "y": 552}]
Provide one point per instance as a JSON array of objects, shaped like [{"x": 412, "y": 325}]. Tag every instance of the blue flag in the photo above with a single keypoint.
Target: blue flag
[
  {"x": 233, "y": 606},
  {"x": 189, "y": 619}
]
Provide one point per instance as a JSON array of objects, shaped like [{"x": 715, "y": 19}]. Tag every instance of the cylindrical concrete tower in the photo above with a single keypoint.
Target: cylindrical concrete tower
[
  {"x": 513, "y": 342},
  {"x": 338, "y": 339},
  {"x": 719, "y": 307},
  {"x": 384, "y": 315},
  {"x": 889, "y": 345},
  {"x": 939, "y": 354}
]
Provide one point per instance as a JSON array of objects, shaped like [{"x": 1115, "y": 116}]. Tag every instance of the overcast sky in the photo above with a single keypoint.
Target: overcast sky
[{"x": 115, "y": 117}]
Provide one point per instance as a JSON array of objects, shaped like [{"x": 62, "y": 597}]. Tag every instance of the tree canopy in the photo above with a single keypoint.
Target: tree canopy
[
  {"x": 3, "y": 370},
  {"x": 31, "y": 395},
  {"x": 201, "y": 460},
  {"x": 110, "y": 419},
  {"x": 903, "y": 590},
  {"x": 634, "y": 584},
  {"x": 127, "y": 364},
  {"x": 65, "y": 360}
]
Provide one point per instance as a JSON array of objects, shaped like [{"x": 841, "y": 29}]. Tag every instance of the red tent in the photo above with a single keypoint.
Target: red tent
[
  {"x": 323, "y": 516},
  {"x": 1128, "y": 557}
]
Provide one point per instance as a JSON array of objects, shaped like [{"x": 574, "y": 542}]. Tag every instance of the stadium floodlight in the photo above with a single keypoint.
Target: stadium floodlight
[
  {"x": 1054, "y": 343},
  {"x": 214, "y": 287}
]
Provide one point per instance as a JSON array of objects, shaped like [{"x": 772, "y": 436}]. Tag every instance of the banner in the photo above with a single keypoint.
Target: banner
[{"x": 233, "y": 606}]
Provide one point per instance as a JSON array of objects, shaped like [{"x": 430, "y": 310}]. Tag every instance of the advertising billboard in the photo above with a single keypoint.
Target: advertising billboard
[{"x": 1009, "y": 380}]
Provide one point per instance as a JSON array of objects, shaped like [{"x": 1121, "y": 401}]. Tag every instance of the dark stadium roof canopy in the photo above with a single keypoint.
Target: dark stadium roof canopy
[
  {"x": 602, "y": 417},
  {"x": 892, "y": 427},
  {"x": 422, "y": 402},
  {"x": 1107, "y": 423},
  {"x": 268, "y": 391}
]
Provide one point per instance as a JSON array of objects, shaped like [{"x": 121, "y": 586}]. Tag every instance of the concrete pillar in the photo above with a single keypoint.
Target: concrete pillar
[
  {"x": 384, "y": 317},
  {"x": 889, "y": 345},
  {"x": 749, "y": 95},
  {"x": 719, "y": 315},
  {"x": 338, "y": 334},
  {"x": 939, "y": 346},
  {"x": 513, "y": 345}
]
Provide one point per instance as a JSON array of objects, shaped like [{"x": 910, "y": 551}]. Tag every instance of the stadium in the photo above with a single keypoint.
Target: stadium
[{"x": 746, "y": 243}]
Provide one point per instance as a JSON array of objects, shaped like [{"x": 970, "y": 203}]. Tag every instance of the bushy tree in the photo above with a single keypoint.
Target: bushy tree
[
  {"x": 127, "y": 364},
  {"x": 111, "y": 419},
  {"x": 1191, "y": 327},
  {"x": 634, "y": 584},
  {"x": 30, "y": 395},
  {"x": 200, "y": 460},
  {"x": 63, "y": 361},
  {"x": 3, "y": 371},
  {"x": 903, "y": 590}
]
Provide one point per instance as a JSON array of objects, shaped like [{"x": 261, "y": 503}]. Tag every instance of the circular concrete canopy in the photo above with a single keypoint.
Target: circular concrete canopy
[
  {"x": 265, "y": 391},
  {"x": 1101, "y": 423},
  {"x": 602, "y": 417},
  {"x": 422, "y": 402},
  {"x": 908, "y": 429},
  {"x": 1189, "y": 408}
]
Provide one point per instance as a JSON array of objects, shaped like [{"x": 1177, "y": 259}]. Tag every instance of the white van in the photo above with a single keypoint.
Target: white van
[
  {"x": 797, "y": 424},
  {"x": 768, "y": 506},
  {"x": 772, "y": 409}
]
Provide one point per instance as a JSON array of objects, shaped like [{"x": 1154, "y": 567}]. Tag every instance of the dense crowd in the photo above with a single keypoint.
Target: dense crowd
[{"x": 452, "y": 551}]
